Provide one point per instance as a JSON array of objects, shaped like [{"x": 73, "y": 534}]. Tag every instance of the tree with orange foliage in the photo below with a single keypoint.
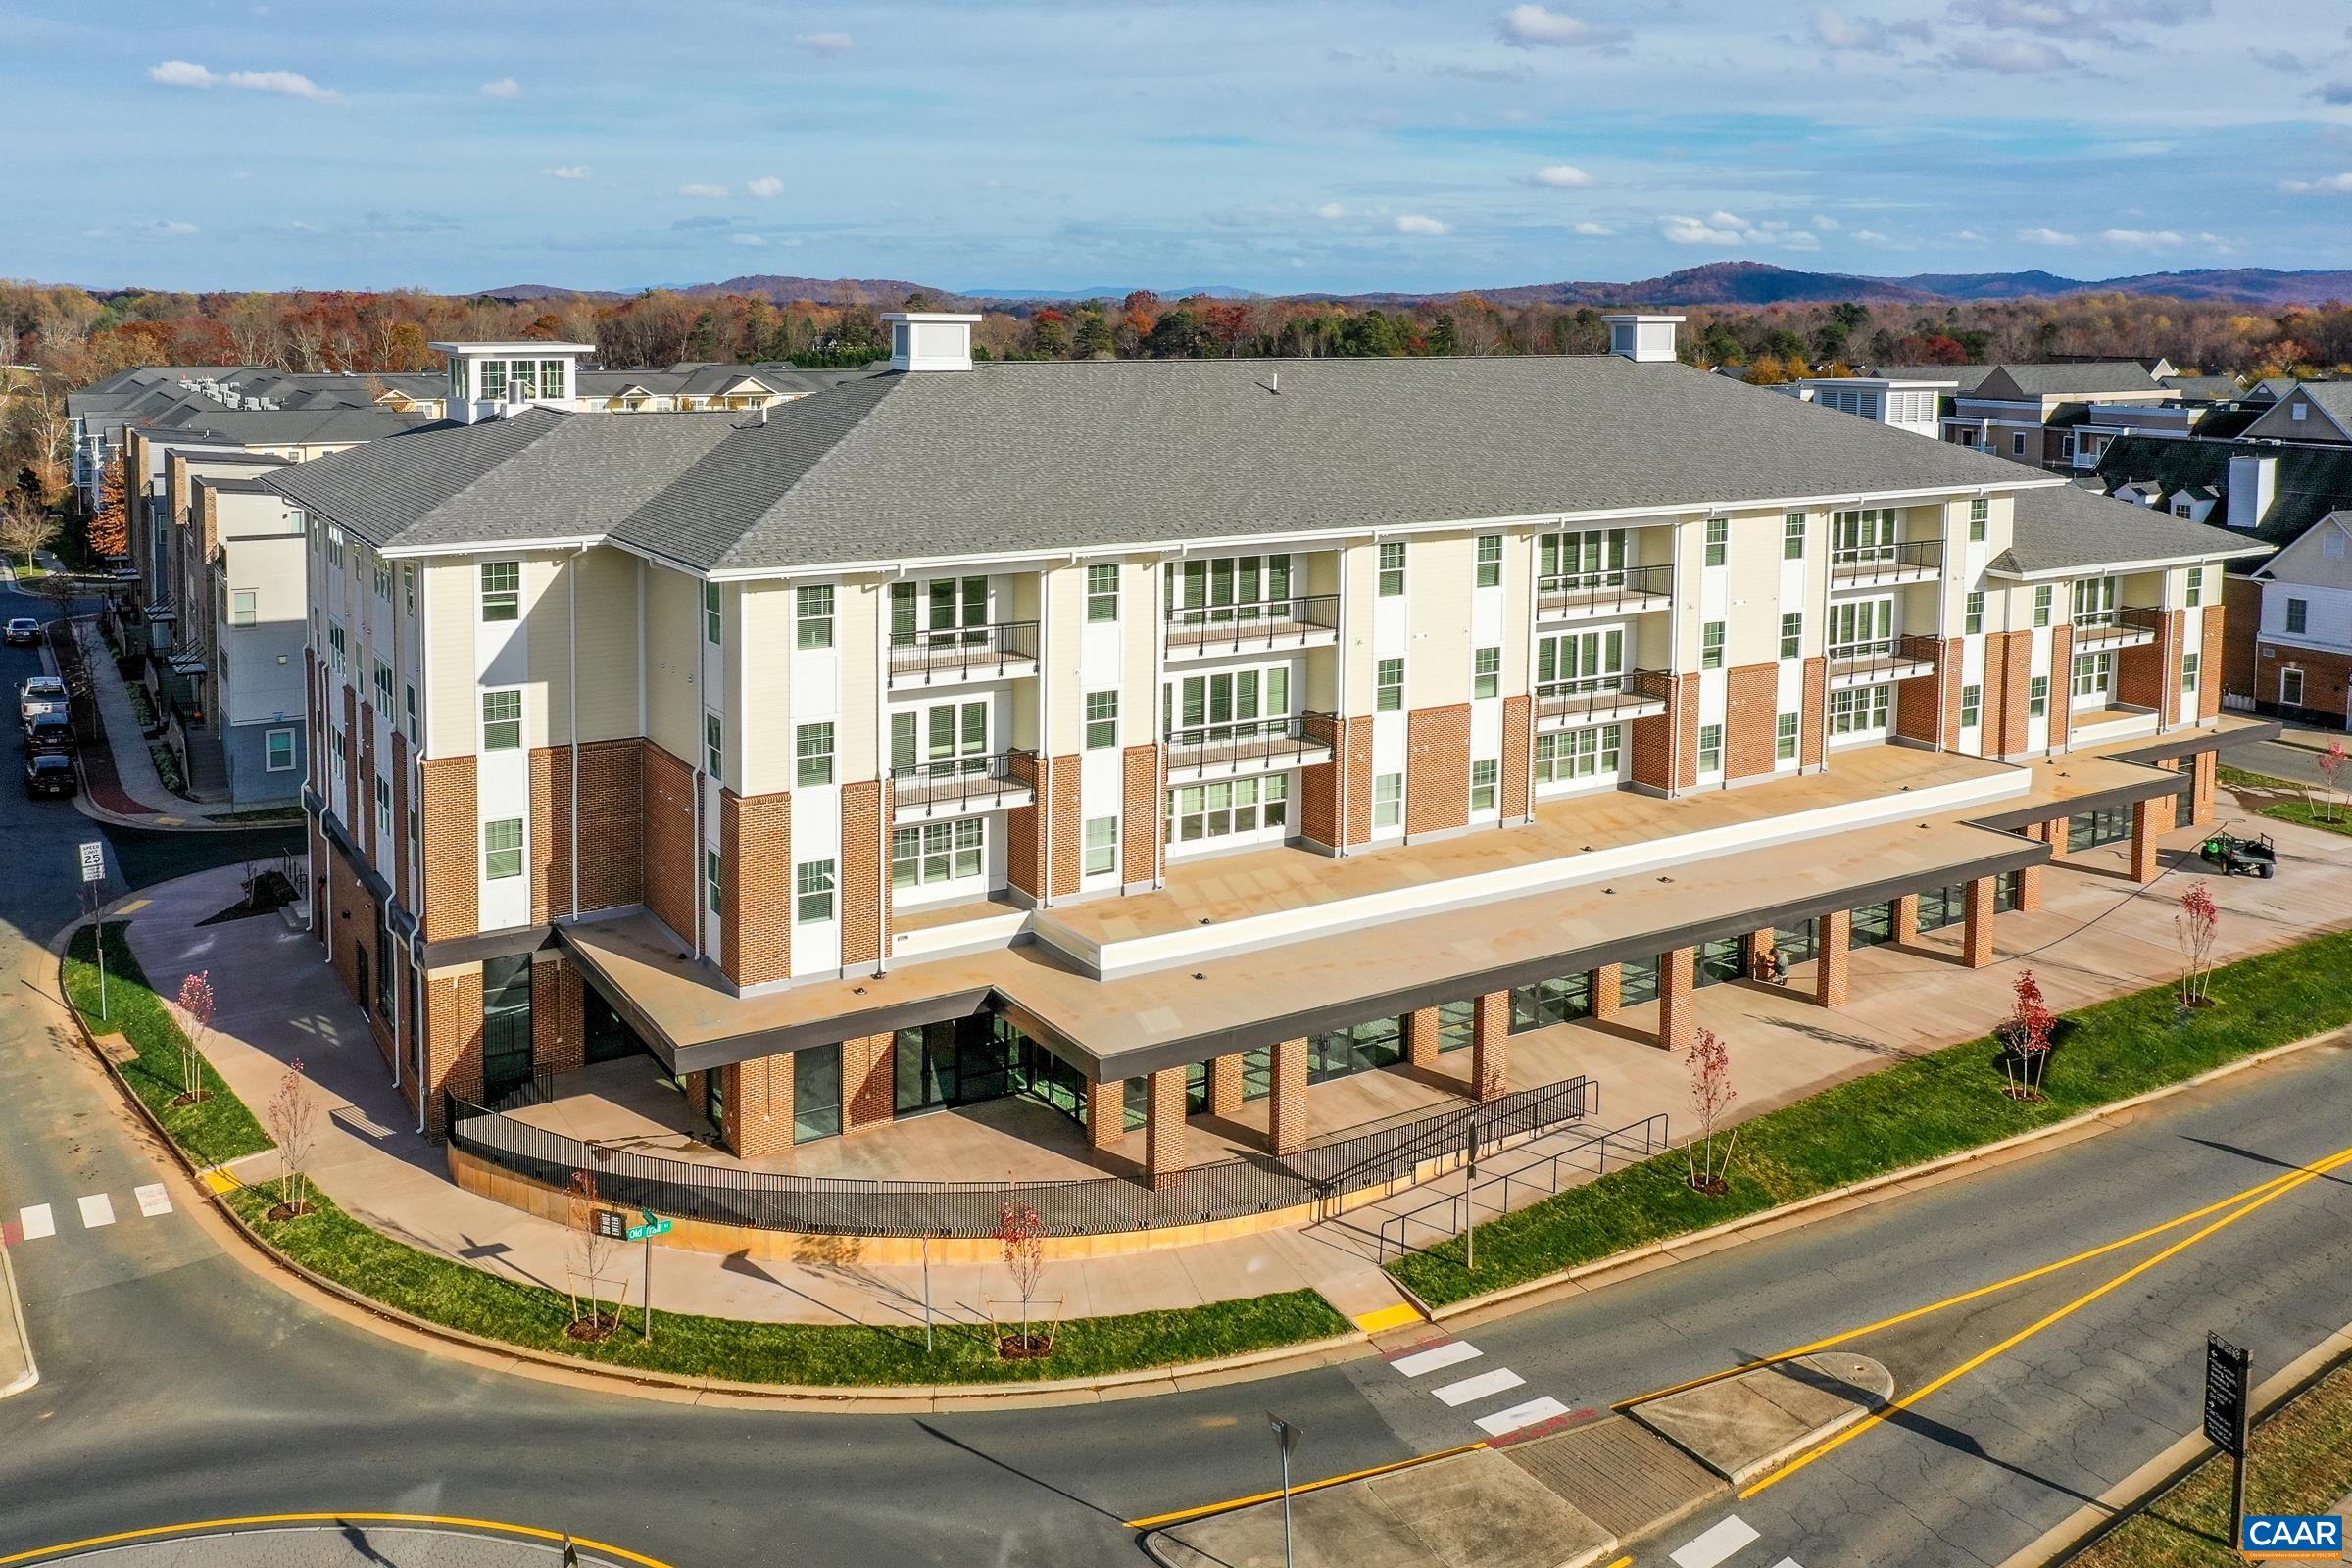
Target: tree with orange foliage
[{"x": 110, "y": 524}]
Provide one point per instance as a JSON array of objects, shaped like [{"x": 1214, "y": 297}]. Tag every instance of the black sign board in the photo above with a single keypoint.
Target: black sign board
[
  {"x": 2225, "y": 1395},
  {"x": 613, "y": 1223}
]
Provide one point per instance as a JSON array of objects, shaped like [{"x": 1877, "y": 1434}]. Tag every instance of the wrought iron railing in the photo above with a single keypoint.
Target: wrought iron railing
[
  {"x": 1602, "y": 697},
  {"x": 962, "y": 653},
  {"x": 1879, "y": 563},
  {"x": 1601, "y": 592},
  {"x": 961, "y": 783},
  {"x": 1230, "y": 628},
  {"x": 1886, "y": 658},
  {"x": 2122, "y": 620},
  {"x": 1227, "y": 1189},
  {"x": 1266, "y": 742},
  {"x": 1450, "y": 1214}
]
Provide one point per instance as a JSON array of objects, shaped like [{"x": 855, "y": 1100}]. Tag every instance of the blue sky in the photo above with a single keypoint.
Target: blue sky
[{"x": 1306, "y": 144}]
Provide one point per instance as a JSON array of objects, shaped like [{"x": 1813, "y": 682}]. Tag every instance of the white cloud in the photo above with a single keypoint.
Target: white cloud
[
  {"x": 826, "y": 43},
  {"x": 2164, "y": 239},
  {"x": 567, "y": 172},
  {"x": 2008, "y": 57},
  {"x": 504, "y": 88},
  {"x": 1533, "y": 26},
  {"x": 1330, "y": 210},
  {"x": 753, "y": 240},
  {"x": 1560, "y": 176},
  {"x": 766, "y": 186},
  {"x": 1421, "y": 223},
  {"x": 1970, "y": 237},
  {"x": 703, "y": 193},
  {"x": 1720, "y": 228},
  {"x": 168, "y": 229},
  {"x": 1595, "y": 231},
  {"x": 1825, "y": 223},
  {"x": 2333, "y": 185},
  {"x": 1870, "y": 236},
  {"x": 2045, "y": 236},
  {"x": 1834, "y": 30},
  {"x": 187, "y": 74}
]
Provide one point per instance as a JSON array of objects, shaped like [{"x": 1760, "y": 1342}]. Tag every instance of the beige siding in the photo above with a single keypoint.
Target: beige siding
[
  {"x": 759, "y": 632},
  {"x": 1753, "y": 607},
  {"x": 860, "y": 630},
  {"x": 673, "y": 644},
  {"x": 1061, "y": 601},
  {"x": 608, "y": 653},
  {"x": 1440, "y": 573},
  {"x": 448, "y": 587},
  {"x": 547, "y": 626}
]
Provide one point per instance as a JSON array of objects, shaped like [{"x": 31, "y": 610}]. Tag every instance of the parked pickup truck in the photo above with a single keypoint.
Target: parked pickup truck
[{"x": 40, "y": 693}]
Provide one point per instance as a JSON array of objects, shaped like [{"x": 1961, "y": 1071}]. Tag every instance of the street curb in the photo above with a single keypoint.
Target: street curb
[
  {"x": 2082, "y": 1529},
  {"x": 1806, "y": 1210},
  {"x": 14, "y": 1323}
]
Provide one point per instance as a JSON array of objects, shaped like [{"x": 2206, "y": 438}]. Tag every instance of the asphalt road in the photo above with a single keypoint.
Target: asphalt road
[
  {"x": 178, "y": 1385},
  {"x": 2298, "y": 763}
]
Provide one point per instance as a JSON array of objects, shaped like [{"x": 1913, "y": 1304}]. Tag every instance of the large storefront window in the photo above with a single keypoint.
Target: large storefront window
[
  {"x": 817, "y": 1094},
  {"x": 2087, "y": 830},
  {"x": 1723, "y": 959},
  {"x": 1549, "y": 1002},
  {"x": 1874, "y": 923},
  {"x": 1943, "y": 907},
  {"x": 1638, "y": 982},
  {"x": 1457, "y": 1025},
  {"x": 1799, "y": 943},
  {"x": 505, "y": 1024},
  {"x": 1359, "y": 1047},
  {"x": 955, "y": 1062}
]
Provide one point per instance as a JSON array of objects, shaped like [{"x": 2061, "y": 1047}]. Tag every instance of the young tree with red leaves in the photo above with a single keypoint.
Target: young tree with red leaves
[
  {"x": 2197, "y": 924},
  {"x": 1709, "y": 1063},
  {"x": 110, "y": 524},
  {"x": 2331, "y": 767},
  {"x": 196, "y": 1012},
  {"x": 2025, "y": 1032},
  {"x": 1022, "y": 1236}
]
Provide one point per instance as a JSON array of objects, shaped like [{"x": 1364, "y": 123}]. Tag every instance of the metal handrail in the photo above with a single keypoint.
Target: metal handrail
[
  {"x": 1870, "y": 562},
  {"x": 1613, "y": 588},
  {"x": 1260, "y": 625},
  {"x": 1462, "y": 1208},
  {"x": 2122, "y": 618},
  {"x": 963, "y": 651},
  {"x": 1603, "y": 696},
  {"x": 958, "y": 781},
  {"x": 1277, "y": 741},
  {"x": 1885, "y": 656}
]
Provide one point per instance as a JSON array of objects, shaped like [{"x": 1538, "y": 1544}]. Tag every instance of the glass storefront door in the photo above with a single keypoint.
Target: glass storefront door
[
  {"x": 1799, "y": 943},
  {"x": 1359, "y": 1047},
  {"x": 1874, "y": 923},
  {"x": 817, "y": 1094},
  {"x": 1723, "y": 959},
  {"x": 505, "y": 1024}
]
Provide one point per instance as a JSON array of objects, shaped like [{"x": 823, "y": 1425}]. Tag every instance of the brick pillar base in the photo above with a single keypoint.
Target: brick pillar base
[
  {"x": 2029, "y": 889},
  {"x": 1832, "y": 966},
  {"x": 1976, "y": 934},
  {"x": 1225, "y": 1086},
  {"x": 1677, "y": 1015},
  {"x": 1286, "y": 1110},
  {"x": 2053, "y": 833},
  {"x": 1608, "y": 991},
  {"x": 1490, "y": 1047},
  {"x": 1421, "y": 1037},
  {"x": 2204, "y": 775},
  {"x": 758, "y": 1106},
  {"x": 1760, "y": 945},
  {"x": 869, "y": 1083},
  {"x": 1105, "y": 1114},
  {"x": 1164, "y": 1128},
  {"x": 2144, "y": 828},
  {"x": 557, "y": 1039},
  {"x": 1906, "y": 918}
]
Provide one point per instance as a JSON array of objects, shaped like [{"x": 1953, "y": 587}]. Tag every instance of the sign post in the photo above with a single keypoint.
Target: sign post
[
  {"x": 93, "y": 870},
  {"x": 654, "y": 1226},
  {"x": 1286, "y": 1436},
  {"x": 2227, "y": 1419}
]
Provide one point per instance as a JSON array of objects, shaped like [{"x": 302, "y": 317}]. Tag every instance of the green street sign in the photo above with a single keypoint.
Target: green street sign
[{"x": 638, "y": 1232}]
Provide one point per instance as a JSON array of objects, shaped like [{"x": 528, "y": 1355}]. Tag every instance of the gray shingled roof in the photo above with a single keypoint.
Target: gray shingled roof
[
  {"x": 2066, "y": 528},
  {"x": 2067, "y": 380},
  {"x": 2213, "y": 388},
  {"x": 1967, "y": 376}
]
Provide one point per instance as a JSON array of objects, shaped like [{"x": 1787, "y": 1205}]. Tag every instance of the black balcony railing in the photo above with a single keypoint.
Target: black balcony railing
[
  {"x": 1885, "y": 658},
  {"x": 1885, "y": 563},
  {"x": 1601, "y": 593},
  {"x": 1271, "y": 623},
  {"x": 1626, "y": 694},
  {"x": 962, "y": 653},
  {"x": 965, "y": 783},
  {"x": 1269, "y": 743},
  {"x": 2135, "y": 623}
]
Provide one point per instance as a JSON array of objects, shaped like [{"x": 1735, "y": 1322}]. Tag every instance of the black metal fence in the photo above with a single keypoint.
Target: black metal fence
[
  {"x": 1274, "y": 742},
  {"x": 1229, "y": 628},
  {"x": 959, "y": 783},
  {"x": 1853, "y": 563},
  {"x": 962, "y": 653},
  {"x": 1604, "y": 592},
  {"x": 1350, "y": 1161}
]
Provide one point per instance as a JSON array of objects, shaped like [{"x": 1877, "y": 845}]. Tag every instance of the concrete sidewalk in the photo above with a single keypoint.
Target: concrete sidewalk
[
  {"x": 136, "y": 797},
  {"x": 2098, "y": 935},
  {"x": 18, "y": 1370},
  {"x": 337, "y": 1544}
]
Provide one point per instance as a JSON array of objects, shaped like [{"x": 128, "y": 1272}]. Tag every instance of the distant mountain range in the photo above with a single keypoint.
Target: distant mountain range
[{"x": 1715, "y": 283}]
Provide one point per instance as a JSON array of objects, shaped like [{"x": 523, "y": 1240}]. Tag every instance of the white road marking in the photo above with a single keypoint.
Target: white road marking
[
  {"x": 1420, "y": 1361},
  {"x": 1479, "y": 1387},
  {"x": 37, "y": 1221},
  {"x": 97, "y": 1210},
  {"x": 154, "y": 1200},
  {"x": 1788, "y": 1562},
  {"x": 1522, "y": 1416},
  {"x": 1730, "y": 1534}
]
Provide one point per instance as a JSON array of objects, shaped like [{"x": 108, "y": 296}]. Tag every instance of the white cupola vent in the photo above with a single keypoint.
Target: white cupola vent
[
  {"x": 1644, "y": 339},
  {"x": 930, "y": 340}
]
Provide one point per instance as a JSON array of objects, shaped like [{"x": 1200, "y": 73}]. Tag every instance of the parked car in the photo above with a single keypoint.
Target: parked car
[
  {"x": 40, "y": 693},
  {"x": 50, "y": 773},
  {"x": 23, "y": 632},
  {"x": 50, "y": 732}
]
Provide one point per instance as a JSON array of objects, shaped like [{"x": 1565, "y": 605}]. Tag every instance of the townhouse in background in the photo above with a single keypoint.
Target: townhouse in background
[
  {"x": 1169, "y": 740},
  {"x": 2062, "y": 415}
]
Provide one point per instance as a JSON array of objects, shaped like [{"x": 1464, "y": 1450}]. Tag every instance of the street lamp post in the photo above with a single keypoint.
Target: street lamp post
[{"x": 1286, "y": 1437}]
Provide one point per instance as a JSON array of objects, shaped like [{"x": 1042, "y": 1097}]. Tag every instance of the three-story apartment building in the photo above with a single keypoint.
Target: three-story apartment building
[{"x": 1161, "y": 739}]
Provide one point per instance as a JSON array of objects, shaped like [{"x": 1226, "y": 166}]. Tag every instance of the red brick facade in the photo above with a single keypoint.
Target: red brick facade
[
  {"x": 1518, "y": 758},
  {"x": 672, "y": 857},
  {"x": 2211, "y": 637},
  {"x": 453, "y": 1038},
  {"x": 611, "y": 827},
  {"x": 757, "y": 1107},
  {"x": 2232, "y": 631},
  {"x": 1813, "y": 722},
  {"x": 1665, "y": 746},
  {"x": 1751, "y": 720},
  {"x": 1321, "y": 796},
  {"x": 558, "y": 1040},
  {"x": 1436, "y": 769},
  {"x": 452, "y": 848},
  {"x": 868, "y": 1082},
  {"x": 1054, "y": 825},
  {"x": 2150, "y": 675},
  {"x": 864, "y": 891},
  {"x": 1831, "y": 967},
  {"x": 1927, "y": 709},
  {"x": 2008, "y": 681},
  {"x": 2062, "y": 682},
  {"x": 1141, "y": 793},
  {"x": 755, "y": 856}
]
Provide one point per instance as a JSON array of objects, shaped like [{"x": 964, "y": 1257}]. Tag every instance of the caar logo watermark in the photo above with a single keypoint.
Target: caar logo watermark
[{"x": 2275, "y": 1537}]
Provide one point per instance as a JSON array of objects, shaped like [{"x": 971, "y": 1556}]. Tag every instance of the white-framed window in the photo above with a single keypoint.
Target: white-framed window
[
  {"x": 1710, "y": 645},
  {"x": 938, "y": 851},
  {"x": 714, "y": 880},
  {"x": 813, "y": 891},
  {"x": 1972, "y": 705},
  {"x": 244, "y": 607},
  {"x": 2037, "y": 697},
  {"x": 1581, "y": 559},
  {"x": 1490, "y": 560},
  {"x": 2017, "y": 444},
  {"x": 1859, "y": 709},
  {"x": 714, "y": 751},
  {"x": 1979, "y": 513},
  {"x": 713, "y": 623},
  {"x": 937, "y": 604},
  {"x": 1103, "y": 592},
  {"x": 1579, "y": 662},
  {"x": 1486, "y": 783},
  {"x": 2184, "y": 509},
  {"x": 1792, "y": 634},
  {"x": 1102, "y": 845},
  {"x": 1391, "y": 571},
  {"x": 2298, "y": 615},
  {"x": 383, "y": 808},
  {"x": 1862, "y": 536},
  {"x": 1785, "y": 731},
  {"x": 812, "y": 615},
  {"x": 408, "y": 585},
  {"x": 409, "y": 693},
  {"x": 1719, "y": 540},
  {"x": 1579, "y": 754},
  {"x": 383, "y": 578},
  {"x": 502, "y": 719},
  {"x": 334, "y": 544},
  {"x": 1793, "y": 536},
  {"x": 2197, "y": 583},
  {"x": 812, "y": 754},
  {"x": 502, "y": 849},
  {"x": 1710, "y": 747},
  {"x": 383, "y": 691},
  {"x": 1245, "y": 807},
  {"x": 1387, "y": 686},
  {"x": 502, "y": 590},
  {"x": 2094, "y": 675},
  {"x": 1486, "y": 672},
  {"x": 2290, "y": 688},
  {"x": 277, "y": 751},
  {"x": 1101, "y": 720},
  {"x": 2041, "y": 603},
  {"x": 335, "y": 649},
  {"x": 2191, "y": 666},
  {"x": 1388, "y": 799},
  {"x": 941, "y": 738},
  {"x": 1972, "y": 611},
  {"x": 1223, "y": 588}
]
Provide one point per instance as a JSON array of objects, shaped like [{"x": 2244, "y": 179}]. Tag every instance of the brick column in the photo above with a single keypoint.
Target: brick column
[
  {"x": 1831, "y": 966},
  {"x": 1437, "y": 768},
  {"x": 2144, "y": 828},
  {"x": 1677, "y": 1012},
  {"x": 1225, "y": 1085},
  {"x": 1421, "y": 1037},
  {"x": 1518, "y": 759},
  {"x": 868, "y": 1082},
  {"x": 1286, "y": 1110},
  {"x": 1141, "y": 777},
  {"x": 757, "y": 1109},
  {"x": 1975, "y": 935},
  {"x": 1490, "y": 1047},
  {"x": 2204, "y": 775},
  {"x": 1906, "y": 918},
  {"x": 2054, "y": 834},
  {"x": 1760, "y": 944},
  {"x": 2028, "y": 890},
  {"x": 1105, "y": 1114},
  {"x": 453, "y": 1042},
  {"x": 1608, "y": 991},
  {"x": 1163, "y": 1128},
  {"x": 558, "y": 1042}
]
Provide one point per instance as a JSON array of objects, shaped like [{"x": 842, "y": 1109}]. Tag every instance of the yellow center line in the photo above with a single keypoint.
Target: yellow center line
[
  {"x": 2281, "y": 1190},
  {"x": 1229, "y": 1503},
  {"x": 533, "y": 1532},
  {"x": 1983, "y": 1291}
]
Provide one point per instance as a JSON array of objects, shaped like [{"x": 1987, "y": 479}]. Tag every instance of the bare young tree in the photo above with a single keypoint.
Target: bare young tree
[
  {"x": 1022, "y": 1236},
  {"x": 1709, "y": 1063},
  {"x": 293, "y": 1118},
  {"x": 2331, "y": 768},
  {"x": 196, "y": 1014},
  {"x": 592, "y": 1254},
  {"x": 26, "y": 528}
]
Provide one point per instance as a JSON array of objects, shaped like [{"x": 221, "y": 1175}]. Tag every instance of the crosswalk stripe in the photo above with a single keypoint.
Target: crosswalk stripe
[
  {"x": 1522, "y": 1416},
  {"x": 1445, "y": 1355},
  {"x": 97, "y": 1210},
  {"x": 37, "y": 1221},
  {"x": 1716, "y": 1544},
  {"x": 152, "y": 1200},
  {"x": 1788, "y": 1562},
  {"x": 1479, "y": 1387}
]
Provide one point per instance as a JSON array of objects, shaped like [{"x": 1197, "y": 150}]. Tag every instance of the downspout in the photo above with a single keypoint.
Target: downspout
[
  {"x": 571, "y": 681},
  {"x": 1157, "y": 583},
  {"x": 1527, "y": 670},
  {"x": 424, "y": 708},
  {"x": 884, "y": 806},
  {"x": 1342, "y": 730},
  {"x": 1044, "y": 726}
]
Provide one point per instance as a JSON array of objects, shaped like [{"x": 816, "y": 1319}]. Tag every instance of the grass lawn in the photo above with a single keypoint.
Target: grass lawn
[
  {"x": 2333, "y": 818},
  {"x": 212, "y": 1131},
  {"x": 2301, "y": 1463},
  {"x": 1914, "y": 1111},
  {"x": 332, "y": 1244}
]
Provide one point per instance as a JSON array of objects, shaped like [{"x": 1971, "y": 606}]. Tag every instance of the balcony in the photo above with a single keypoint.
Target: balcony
[
  {"x": 958, "y": 786},
  {"x": 2127, "y": 626},
  {"x": 1885, "y": 658},
  {"x": 1884, "y": 566},
  {"x": 942, "y": 658},
  {"x": 1602, "y": 699},
  {"x": 1583, "y": 595},
  {"x": 1254, "y": 746},
  {"x": 1310, "y": 621}
]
